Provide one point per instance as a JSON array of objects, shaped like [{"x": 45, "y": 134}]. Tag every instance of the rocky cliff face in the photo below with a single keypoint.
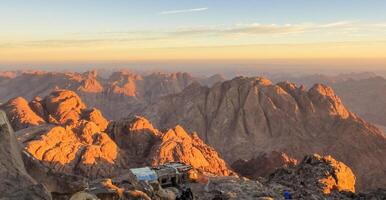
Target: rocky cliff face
[
  {"x": 15, "y": 183},
  {"x": 247, "y": 116},
  {"x": 73, "y": 139}
]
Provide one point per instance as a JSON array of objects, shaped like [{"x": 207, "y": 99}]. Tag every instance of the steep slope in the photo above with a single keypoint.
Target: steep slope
[
  {"x": 365, "y": 97},
  {"x": 247, "y": 116},
  {"x": 15, "y": 183}
]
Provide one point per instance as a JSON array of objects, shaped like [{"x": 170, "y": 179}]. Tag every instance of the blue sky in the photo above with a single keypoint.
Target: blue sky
[{"x": 96, "y": 15}]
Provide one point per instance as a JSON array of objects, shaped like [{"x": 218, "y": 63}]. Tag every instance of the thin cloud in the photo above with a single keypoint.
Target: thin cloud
[
  {"x": 171, "y": 12},
  {"x": 268, "y": 29},
  {"x": 146, "y": 37}
]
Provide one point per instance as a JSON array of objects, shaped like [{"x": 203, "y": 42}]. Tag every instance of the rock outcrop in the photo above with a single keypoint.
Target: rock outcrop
[
  {"x": 263, "y": 165},
  {"x": 81, "y": 149},
  {"x": 21, "y": 114},
  {"x": 71, "y": 140},
  {"x": 15, "y": 183},
  {"x": 322, "y": 175},
  {"x": 63, "y": 107},
  {"x": 244, "y": 117},
  {"x": 147, "y": 145},
  {"x": 178, "y": 146}
]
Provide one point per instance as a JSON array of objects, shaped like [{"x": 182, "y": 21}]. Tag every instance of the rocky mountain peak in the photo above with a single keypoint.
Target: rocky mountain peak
[
  {"x": 177, "y": 133},
  {"x": 64, "y": 106},
  {"x": 139, "y": 123},
  {"x": 325, "y": 98},
  {"x": 20, "y": 114},
  {"x": 90, "y": 83},
  {"x": 179, "y": 146}
]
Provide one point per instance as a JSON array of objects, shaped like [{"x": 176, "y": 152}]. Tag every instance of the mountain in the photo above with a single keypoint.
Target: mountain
[
  {"x": 116, "y": 95},
  {"x": 74, "y": 139},
  {"x": 244, "y": 117}
]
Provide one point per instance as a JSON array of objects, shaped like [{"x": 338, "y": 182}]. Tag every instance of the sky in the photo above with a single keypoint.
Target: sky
[{"x": 39, "y": 31}]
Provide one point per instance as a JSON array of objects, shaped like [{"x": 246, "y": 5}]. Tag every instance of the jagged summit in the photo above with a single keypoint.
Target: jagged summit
[{"x": 244, "y": 117}]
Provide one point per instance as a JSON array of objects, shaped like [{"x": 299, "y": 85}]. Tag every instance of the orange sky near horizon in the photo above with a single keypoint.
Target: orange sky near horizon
[{"x": 332, "y": 50}]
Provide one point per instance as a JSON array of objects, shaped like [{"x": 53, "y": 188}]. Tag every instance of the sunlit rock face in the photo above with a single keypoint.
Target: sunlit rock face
[
  {"x": 20, "y": 114},
  {"x": 71, "y": 140},
  {"x": 319, "y": 174},
  {"x": 63, "y": 107},
  {"x": 244, "y": 117},
  {"x": 81, "y": 149},
  {"x": 179, "y": 146},
  {"x": 147, "y": 145}
]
